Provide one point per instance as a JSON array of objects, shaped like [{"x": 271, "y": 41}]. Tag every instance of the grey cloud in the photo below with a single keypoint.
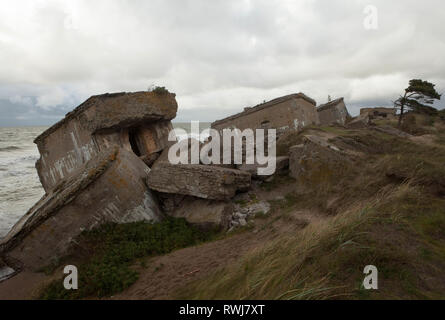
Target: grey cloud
[{"x": 218, "y": 56}]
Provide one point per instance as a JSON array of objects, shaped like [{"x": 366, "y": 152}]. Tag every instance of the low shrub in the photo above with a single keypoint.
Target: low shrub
[{"x": 115, "y": 248}]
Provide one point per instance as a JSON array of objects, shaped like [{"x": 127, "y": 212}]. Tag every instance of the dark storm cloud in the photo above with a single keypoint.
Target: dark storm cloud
[{"x": 218, "y": 56}]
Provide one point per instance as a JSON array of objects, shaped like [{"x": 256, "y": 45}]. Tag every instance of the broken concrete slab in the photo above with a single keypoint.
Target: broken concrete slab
[
  {"x": 109, "y": 188},
  {"x": 202, "y": 181},
  {"x": 138, "y": 122},
  {"x": 205, "y": 214},
  {"x": 282, "y": 163},
  {"x": 359, "y": 122}
]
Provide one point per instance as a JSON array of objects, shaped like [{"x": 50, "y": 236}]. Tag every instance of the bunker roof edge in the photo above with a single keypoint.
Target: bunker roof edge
[
  {"x": 265, "y": 105},
  {"x": 81, "y": 108}
]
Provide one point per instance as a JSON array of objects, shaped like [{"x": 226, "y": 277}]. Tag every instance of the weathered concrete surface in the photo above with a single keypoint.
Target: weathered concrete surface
[
  {"x": 282, "y": 163},
  {"x": 333, "y": 112},
  {"x": 315, "y": 160},
  {"x": 291, "y": 111},
  {"x": 202, "y": 181},
  {"x": 359, "y": 122},
  {"x": 109, "y": 188},
  {"x": 205, "y": 214},
  {"x": 137, "y": 120}
]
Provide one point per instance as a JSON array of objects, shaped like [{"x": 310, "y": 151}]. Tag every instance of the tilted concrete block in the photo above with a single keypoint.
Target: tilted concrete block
[
  {"x": 138, "y": 122},
  {"x": 203, "y": 213},
  {"x": 202, "y": 181},
  {"x": 109, "y": 188}
]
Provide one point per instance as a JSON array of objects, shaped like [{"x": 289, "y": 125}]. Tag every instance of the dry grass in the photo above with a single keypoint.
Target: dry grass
[
  {"x": 394, "y": 224},
  {"x": 326, "y": 259}
]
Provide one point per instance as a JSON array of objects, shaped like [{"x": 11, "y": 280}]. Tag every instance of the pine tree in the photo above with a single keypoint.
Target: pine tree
[{"x": 418, "y": 96}]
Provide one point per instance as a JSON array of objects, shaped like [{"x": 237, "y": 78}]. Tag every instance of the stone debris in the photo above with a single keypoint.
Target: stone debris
[
  {"x": 359, "y": 122},
  {"x": 202, "y": 181},
  {"x": 242, "y": 213},
  {"x": 282, "y": 163}
]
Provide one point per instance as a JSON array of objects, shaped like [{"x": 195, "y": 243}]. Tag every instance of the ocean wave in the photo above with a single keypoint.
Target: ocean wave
[
  {"x": 17, "y": 173},
  {"x": 9, "y": 148}
]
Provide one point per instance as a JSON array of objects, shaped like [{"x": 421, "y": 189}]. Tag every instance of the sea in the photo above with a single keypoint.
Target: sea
[{"x": 20, "y": 187}]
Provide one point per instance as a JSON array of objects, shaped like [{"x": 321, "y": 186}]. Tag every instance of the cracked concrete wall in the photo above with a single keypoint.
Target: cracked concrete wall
[
  {"x": 109, "y": 188},
  {"x": 335, "y": 113},
  {"x": 63, "y": 152},
  {"x": 99, "y": 123}
]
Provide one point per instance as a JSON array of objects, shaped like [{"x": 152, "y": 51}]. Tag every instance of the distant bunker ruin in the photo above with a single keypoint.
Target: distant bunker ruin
[
  {"x": 379, "y": 112},
  {"x": 293, "y": 111},
  {"x": 333, "y": 112}
]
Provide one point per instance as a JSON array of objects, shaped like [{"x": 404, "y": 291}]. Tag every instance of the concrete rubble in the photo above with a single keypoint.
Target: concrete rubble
[
  {"x": 282, "y": 163},
  {"x": 203, "y": 213},
  {"x": 314, "y": 159},
  {"x": 359, "y": 122},
  {"x": 243, "y": 213},
  {"x": 107, "y": 161},
  {"x": 392, "y": 131},
  {"x": 202, "y": 181}
]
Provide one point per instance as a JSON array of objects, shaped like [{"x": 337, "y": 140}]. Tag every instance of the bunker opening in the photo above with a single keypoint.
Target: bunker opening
[{"x": 133, "y": 138}]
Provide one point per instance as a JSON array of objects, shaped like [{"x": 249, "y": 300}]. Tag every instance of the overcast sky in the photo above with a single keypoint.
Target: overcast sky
[{"x": 217, "y": 56}]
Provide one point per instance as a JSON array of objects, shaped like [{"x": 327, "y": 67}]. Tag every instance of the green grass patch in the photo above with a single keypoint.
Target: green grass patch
[{"x": 116, "y": 247}]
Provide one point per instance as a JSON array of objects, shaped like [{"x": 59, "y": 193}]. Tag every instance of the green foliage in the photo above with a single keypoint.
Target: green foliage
[
  {"x": 117, "y": 246},
  {"x": 159, "y": 90},
  {"x": 423, "y": 87},
  {"x": 418, "y": 96},
  {"x": 424, "y": 109}
]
